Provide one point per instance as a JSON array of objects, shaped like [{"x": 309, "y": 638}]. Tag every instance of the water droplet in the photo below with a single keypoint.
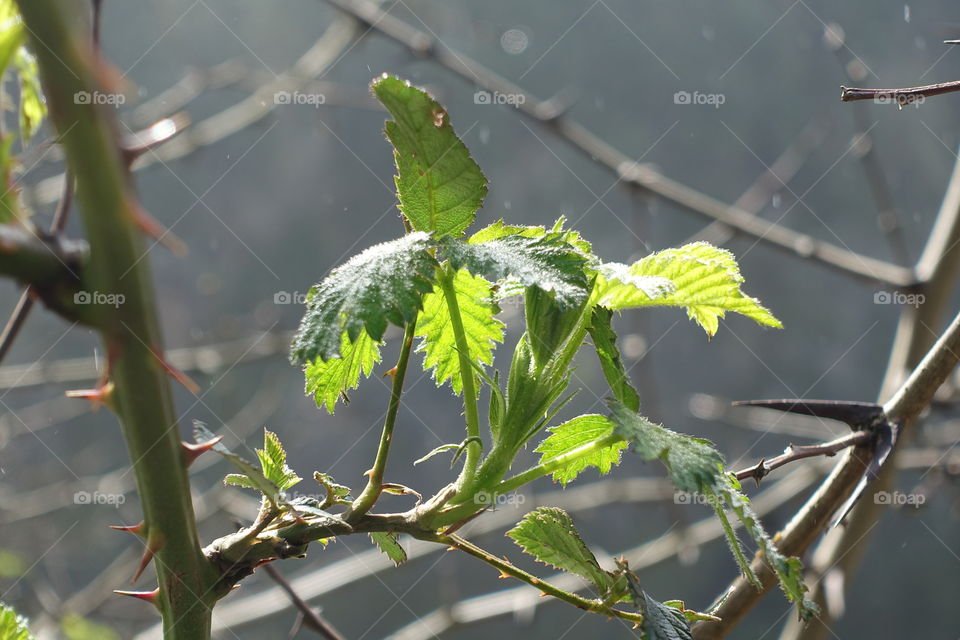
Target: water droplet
[{"x": 514, "y": 41}]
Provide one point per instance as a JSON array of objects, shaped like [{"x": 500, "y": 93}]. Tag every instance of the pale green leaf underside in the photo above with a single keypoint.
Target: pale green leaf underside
[
  {"x": 483, "y": 330},
  {"x": 388, "y": 543},
  {"x": 548, "y": 534},
  {"x": 327, "y": 380},
  {"x": 663, "y": 622},
  {"x": 703, "y": 279},
  {"x": 575, "y": 433},
  {"x": 383, "y": 284},
  {"x": 439, "y": 185}
]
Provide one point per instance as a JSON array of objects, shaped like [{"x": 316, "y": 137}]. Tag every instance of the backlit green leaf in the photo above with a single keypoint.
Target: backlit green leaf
[
  {"x": 701, "y": 278},
  {"x": 328, "y": 380},
  {"x": 439, "y": 185},
  {"x": 388, "y": 543},
  {"x": 576, "y": 433},
  {"x": 482, "y": 329}
]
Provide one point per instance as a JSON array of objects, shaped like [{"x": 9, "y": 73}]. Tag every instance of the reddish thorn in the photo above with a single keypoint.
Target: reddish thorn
[
  {"x": 192, "y": 451},
  {"x": 176, "y": 374},
  {"x": 98, "y": 396},
  {"x": 263, "y": 562},
  {"x": 150, "y": 226},
  {"x": 147, "y": 596},
  {"x": 153, "y": 545},
  {"x": 139, "y": 529}
]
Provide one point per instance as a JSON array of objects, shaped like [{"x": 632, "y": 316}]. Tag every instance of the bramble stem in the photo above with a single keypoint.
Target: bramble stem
[
  {"x": 374, "y": 488},
  {"x": 467, "y": 377},
  {"x": 508, "y": 569},
  {"x": 130, "y": 331}
]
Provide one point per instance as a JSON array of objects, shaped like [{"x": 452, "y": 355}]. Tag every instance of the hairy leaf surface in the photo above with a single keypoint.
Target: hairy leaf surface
[
  {"x": 693, "y": 463},
  {"x": 546, "y": 262},
  {"x": 384, "y": 283}
]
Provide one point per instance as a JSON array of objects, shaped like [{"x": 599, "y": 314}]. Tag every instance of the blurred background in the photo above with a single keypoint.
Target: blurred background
[{"x": 270, "y": 193}]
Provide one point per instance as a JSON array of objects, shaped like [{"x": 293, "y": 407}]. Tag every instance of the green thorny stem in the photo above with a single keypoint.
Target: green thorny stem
[
  {"x": 374, "y": 488},
  {"x": 473, "y": 444},
  {"x": 142, "y": 394}
]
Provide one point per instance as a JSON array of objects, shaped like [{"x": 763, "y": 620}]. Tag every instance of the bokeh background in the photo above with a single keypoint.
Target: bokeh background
[{"x": 267, "y": 210}]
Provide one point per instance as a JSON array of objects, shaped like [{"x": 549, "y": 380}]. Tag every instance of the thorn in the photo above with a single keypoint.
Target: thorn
[
  {"x": 147, "y": 596},
  {"x": 263, "y": 562},
  {"x": 101, "y": 395},
  {"x": 176, "y": 374},
  {"x": 139, "y": 529},
  {"x": 154, "y": 544},
  {"x": 164, "y": 236},
  {"x": 192, "y": 451},
  {"x": 503, "y": 575},
  {"x": 136, "y": 144},
  {"x": 390, "y": 372},
  {"x": 544, "y": 594}
]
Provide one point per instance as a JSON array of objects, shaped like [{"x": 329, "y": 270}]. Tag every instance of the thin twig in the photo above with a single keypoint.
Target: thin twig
[
  {"x": 794, "y": 452},
  {"x": 311, "y": 617},
  {"x": 901, "y": 97}
]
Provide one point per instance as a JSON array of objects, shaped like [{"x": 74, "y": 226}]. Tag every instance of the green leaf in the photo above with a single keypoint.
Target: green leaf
[
  {"x": 575, "y": 433},
  {"x": 789, "y": 570},
  {"x": 694, "y": 464},
  {"x": 663, "y": 622},
  {"x": 12, "y": 625},
  {"x": 548, "y": 263},
  {"x": 328, "y": 380},
  {"x": 605, "y": 342},
  {"x": 698, "y": 276},
  {"x": 548, "y": 534},
  {"x": 482, "y": 329},
  {"x": 389, "y": 544},
  {"x": 33, "y": 108},
  {"x": 252, "y": 477},
  {"x": 273, "y": 461},
  {"x": 384, "y": 283},
  {"x": 439, "y": 185}
]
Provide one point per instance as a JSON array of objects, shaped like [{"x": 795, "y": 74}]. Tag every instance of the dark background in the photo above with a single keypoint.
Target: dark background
[{"x": 272, "y": 208}]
